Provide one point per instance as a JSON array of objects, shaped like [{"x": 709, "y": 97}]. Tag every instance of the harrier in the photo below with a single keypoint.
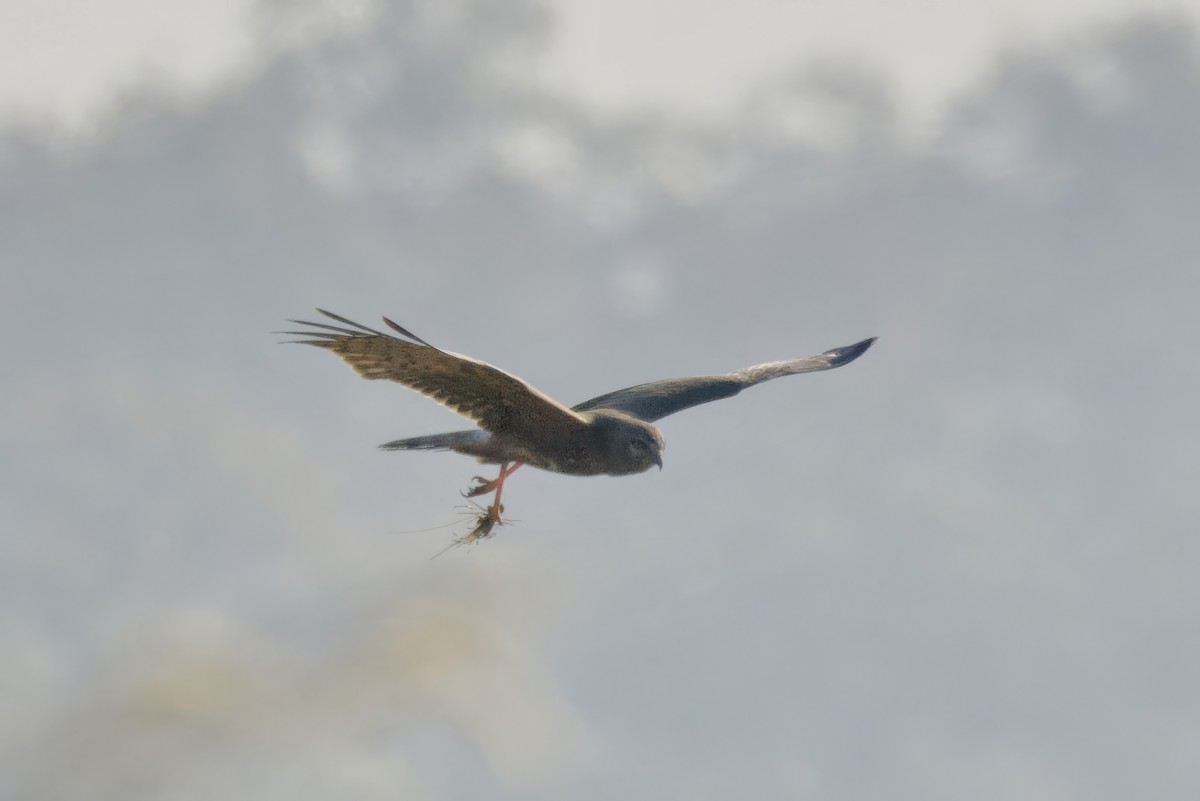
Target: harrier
[{"x": 608, "y": 435}]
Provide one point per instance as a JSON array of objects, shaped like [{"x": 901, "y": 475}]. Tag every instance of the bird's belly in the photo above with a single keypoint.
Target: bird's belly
[
  {"x": 573, "y": 461},
  {"x": 567, "y": 463}
]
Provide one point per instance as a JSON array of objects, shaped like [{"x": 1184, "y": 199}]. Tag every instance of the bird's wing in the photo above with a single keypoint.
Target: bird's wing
[
  {"x": 497, "y": 401},
  {"x": 658, "y": 399}
]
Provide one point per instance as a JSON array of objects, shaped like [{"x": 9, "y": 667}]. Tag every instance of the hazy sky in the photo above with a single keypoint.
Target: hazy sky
[
  {"x": 962, "y": 567},
  {"x": 65, "y": 58}
]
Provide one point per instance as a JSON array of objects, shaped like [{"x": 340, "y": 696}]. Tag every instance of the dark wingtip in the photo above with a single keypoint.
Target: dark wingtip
[
  {"x": 342, "y": 319},
  {"x": 320, "y": 343},
  {"x": 397, "y": 327},
  {"x": 840, "y": 356}
]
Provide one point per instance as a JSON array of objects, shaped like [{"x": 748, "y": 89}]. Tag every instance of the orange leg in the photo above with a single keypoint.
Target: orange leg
[
  {"x": 491, "y": 516},
  {"x": 495, "y": 485}
]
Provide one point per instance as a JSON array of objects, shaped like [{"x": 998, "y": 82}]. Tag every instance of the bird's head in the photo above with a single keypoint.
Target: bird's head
[{"x": 630, "y": 445}]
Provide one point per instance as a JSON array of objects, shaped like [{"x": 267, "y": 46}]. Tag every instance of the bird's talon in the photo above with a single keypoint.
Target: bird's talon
[{"x": 482, "y": 488}]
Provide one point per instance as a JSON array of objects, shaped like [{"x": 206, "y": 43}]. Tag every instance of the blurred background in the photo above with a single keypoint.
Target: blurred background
[{"x": 962, "y": 567}]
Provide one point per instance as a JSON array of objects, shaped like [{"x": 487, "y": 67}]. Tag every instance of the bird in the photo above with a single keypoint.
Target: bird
[{"x": 517, "y": 424}]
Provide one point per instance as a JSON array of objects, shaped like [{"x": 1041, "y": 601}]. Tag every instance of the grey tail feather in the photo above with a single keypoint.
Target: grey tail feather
[{"x": 434, "y": 442}]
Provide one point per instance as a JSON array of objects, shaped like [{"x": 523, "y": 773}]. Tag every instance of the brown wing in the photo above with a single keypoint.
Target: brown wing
[{"x": 498, "y": 401}]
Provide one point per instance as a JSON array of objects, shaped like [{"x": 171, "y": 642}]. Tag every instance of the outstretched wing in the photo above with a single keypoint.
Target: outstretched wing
[
  {"x": 658, "y": 399},
  {"x": 497, "y": 401}
]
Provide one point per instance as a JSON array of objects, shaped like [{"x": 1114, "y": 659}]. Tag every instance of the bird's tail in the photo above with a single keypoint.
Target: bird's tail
[{"x": 436, "y": 442}]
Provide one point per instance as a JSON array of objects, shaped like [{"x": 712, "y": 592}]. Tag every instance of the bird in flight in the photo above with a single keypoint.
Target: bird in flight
[{"x": 612, "y": 434}]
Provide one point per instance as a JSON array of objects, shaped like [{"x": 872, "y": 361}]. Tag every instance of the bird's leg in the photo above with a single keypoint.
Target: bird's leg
[
  {"x": 505, "y": 472},
  {"x": 491, "y": 515},
  {"x": 484, "y": 486}
]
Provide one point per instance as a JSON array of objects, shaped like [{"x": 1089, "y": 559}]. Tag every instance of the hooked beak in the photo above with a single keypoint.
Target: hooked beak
[{"x": 658, "y": 460}]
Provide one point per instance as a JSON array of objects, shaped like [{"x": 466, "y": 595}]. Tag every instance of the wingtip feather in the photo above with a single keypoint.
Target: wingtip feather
[
  {"x": 847, "y": 354},
  {"x": 351, "y": 323},
  {"x": 402, "y": 330}
]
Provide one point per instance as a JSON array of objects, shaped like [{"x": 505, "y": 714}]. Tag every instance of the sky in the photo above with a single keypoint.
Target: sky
[
  {"x": 963, "y": 566},
  {"x": 65, "y": 60}
]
